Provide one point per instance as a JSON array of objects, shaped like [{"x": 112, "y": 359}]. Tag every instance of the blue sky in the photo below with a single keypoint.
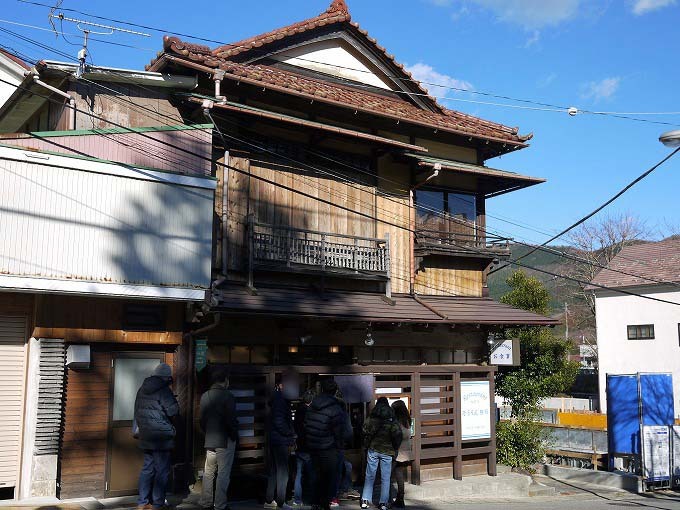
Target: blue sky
[{"x": 599, "y": 55}]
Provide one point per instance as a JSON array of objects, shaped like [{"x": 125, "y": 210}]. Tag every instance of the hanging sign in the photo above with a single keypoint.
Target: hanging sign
[
  {"x": 657, "y": 458},
  {"x": 475, "y": 410},
  {"x": 201, "y": 354},
  {"x": 506, "y": 353}
]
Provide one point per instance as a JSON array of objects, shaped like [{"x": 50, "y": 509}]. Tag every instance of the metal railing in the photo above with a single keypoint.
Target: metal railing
[
  {"x": 447, "y": 238},
  {"x": 295, "y": 248}
]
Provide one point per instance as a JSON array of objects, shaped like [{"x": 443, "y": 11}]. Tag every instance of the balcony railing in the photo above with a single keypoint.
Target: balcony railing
[
  {"x": 457, "y": 238},
  {"x": 294, "y": 249}
]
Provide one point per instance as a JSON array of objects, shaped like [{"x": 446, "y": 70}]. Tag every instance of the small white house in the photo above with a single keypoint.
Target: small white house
[{"x": 634, "y": 333}]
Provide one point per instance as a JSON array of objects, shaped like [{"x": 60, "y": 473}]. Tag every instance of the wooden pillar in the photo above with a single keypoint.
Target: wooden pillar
[
  {"x": 415, "y": 392},
  {"x": 458, "y": 432},
  {"x": 491, "y": 462}
]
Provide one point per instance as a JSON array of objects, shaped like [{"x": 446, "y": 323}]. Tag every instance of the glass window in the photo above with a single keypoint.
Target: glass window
[
  {"x": 641, "y": 332},
  {"x": 462, "y": 206},
  {"x": 129, "y": 373},
  {"x": 429, "y": 205}
]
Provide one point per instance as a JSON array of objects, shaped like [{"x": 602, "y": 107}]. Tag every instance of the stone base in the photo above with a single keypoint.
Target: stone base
[{"x": 44, "y": 476}]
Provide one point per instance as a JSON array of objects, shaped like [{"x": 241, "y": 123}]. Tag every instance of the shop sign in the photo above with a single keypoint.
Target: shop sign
[
  {"x": 506, "y": 353},
  {"x": 201, "y": 354},
  {"x": 475, "y": 410}
]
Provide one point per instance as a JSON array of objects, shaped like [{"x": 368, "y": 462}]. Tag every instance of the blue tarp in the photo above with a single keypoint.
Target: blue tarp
[{"x": 623, "y": 408}]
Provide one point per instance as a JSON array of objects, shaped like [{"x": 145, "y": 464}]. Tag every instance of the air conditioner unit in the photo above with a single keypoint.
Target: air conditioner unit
[{"x": 78, "y": 356}]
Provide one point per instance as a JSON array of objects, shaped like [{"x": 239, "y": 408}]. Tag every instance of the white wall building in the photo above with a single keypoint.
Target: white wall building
[
  {"x": 11, "y": 72},
  {"x": 636, "y": 334}
]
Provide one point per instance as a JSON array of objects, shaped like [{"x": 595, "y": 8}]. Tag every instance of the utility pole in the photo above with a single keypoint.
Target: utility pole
[{"x": 566, "y": 321}]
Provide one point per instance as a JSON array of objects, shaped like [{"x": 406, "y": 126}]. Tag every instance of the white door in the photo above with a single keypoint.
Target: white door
[{"x": 12, "y": 375}]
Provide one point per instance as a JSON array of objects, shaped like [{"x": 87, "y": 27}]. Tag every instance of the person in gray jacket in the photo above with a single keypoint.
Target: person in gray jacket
[
  {"x": 219, "y": 423},
  {"x": 155, "y": 409}
]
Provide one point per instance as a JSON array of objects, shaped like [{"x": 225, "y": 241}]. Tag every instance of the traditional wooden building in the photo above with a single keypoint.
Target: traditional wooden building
[
  {"x": 346, "y": 237},
  {"x": 352, "y": 234}
]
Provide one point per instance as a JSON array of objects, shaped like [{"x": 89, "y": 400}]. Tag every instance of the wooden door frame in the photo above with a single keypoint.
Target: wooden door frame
[{"x": 160, "y": 355}]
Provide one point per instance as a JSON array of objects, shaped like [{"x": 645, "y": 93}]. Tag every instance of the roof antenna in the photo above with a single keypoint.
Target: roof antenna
[{"x": 84, "y": 27}]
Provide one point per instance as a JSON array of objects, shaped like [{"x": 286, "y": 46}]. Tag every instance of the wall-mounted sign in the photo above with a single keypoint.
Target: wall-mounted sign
[
  {"x": 201, "y": 354},
  {"x": 475, "y": 409},
  {"x": 656, "y": 446},
  {"x": 506, "y": 353}
]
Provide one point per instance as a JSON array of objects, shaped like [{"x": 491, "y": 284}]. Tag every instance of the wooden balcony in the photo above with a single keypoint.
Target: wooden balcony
[
  {"x": 280, "y": 248},
  {"x": 460, "y": 239}
]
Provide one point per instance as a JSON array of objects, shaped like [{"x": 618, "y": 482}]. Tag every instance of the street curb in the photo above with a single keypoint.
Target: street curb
[{"x": 615, "y": 480}]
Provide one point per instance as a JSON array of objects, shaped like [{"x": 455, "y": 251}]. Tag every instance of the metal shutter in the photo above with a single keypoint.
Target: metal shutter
[{"x": 12, "y": 375}]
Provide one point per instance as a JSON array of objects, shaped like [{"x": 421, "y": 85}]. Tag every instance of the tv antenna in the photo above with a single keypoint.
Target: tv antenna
[{"x": 86, "y": 27}]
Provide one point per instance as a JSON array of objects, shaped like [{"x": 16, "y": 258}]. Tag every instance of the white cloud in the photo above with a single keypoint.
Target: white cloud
[
  {"x": 426, "y": 74},
  {"x": 603, "y": 89},
  {"x": 641, "y": 7},
  {"x": 547, "y": 80},
  {"x": 529, "y": 14},
  {"x": 533, "y": 39}
]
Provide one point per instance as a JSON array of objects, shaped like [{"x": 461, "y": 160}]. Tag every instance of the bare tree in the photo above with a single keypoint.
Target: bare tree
[{"x": 598, "y": 242}]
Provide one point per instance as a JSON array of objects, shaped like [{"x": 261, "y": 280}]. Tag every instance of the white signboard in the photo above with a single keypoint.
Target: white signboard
[
  {"x": 657, "y": 459},
  {"x": 475, "y": 409},
  {"x": 506, "y": 353},
  {"x": 676, "y": 451}
]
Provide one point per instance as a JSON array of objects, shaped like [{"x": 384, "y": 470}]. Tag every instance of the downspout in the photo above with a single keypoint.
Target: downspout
[
  {"x": 412, "y": 226},
  {"x": 225, "y": 205},
  {"x": 218, "y": 76},
  {"x": 55, "y": 90}
]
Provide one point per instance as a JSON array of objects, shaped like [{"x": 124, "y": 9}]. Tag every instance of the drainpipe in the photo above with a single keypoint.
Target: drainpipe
[
  {"x": 71, "y": 99},
  {"x": 412, "y": 229},
  {"x": 225, "y": 205},
  {"x": 218, "y": 76}
]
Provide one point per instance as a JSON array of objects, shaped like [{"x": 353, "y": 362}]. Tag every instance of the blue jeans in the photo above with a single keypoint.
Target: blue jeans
[
  {"x": 372, "y": 461},
  {"x": 153, "y": 479},
  {"x": 344, "y": 475},
  {"x": 304, "y": 464}
]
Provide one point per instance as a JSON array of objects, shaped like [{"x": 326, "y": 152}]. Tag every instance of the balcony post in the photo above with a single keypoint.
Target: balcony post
[
  {"x": 251, "y": 249},
  {"x": 388, "y": 268},
  {"x": 354, "y": 255},
  {"x": 323, "y": 252}
]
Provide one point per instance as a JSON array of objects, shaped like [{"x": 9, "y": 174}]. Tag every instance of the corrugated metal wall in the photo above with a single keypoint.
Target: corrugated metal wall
[
  {"x": 64, "y": 223},
  {"x": 186, "y": 151}
]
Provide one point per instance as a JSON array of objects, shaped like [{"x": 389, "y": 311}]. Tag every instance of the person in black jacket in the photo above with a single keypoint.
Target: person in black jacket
[
  {"x": 280, "y": 442},
  {"x": 304, "y": 460},
  {"x": 155, "y": 409},
  {"x": 327, "y": 429},
  {"x": 219, "y": 423}
]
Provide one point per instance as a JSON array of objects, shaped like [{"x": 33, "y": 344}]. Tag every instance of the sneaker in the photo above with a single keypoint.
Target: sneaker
[
  {"x": 383, "y": 506},
  {"x": 334, "y": 503},
  {"x": 353, "y": 494},
  {"x": 271, "y": 504},
  {"x": 296, "y": 504},
  {"x": 398, "y": 503},
  {"x": 365, "y": 504}
]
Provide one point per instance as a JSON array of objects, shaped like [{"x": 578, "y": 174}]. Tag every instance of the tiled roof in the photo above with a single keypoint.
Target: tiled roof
[
  {"x": 647, "y": 261},
  {"x": 370, "y": 307},
  {"x": 349, "y": 96},
  {"x": 337, "y": 13},
  {"x": 346, "y": 95}
]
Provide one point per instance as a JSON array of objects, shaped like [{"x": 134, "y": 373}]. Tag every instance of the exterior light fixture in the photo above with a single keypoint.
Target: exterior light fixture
[
  {"x": 305, "y": 338},
  {"x": 671, "y": 138},
  {"x": 334, "y": 349},
  {"x": 369, "y": 341},
  {"x": 292, "y": 349}
]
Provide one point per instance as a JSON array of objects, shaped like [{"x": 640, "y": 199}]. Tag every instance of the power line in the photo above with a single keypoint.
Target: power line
[
  {"x": 435, "y": 211},
  {"x": 539, "y": 106},
  {"x": 374, "y": 218},
  {"x": 599, "y": 208}
]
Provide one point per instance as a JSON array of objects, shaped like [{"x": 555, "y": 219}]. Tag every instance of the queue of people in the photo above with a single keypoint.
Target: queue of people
[{"x": 315, "y": 439}]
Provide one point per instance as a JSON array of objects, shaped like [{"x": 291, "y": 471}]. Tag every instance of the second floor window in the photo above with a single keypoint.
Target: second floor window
[
  {"x": 641, "y": 332},
  {"x": 431, "y": 206}
]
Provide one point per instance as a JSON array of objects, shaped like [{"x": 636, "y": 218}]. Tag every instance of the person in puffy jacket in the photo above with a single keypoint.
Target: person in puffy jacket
[
  {"x": 155, "y": 409},
  {"x": 219, "y": 423},
  {"x": 382, "y": 438},
  {"x": 280, "y": 442},
  {"x": 327, "y": 429}
]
